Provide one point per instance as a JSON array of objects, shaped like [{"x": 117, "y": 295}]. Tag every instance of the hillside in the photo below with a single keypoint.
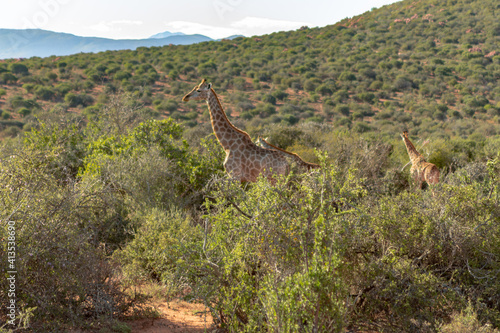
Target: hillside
[
  {"x": 421, "y": 65},
  {"x": 41, "y": 43}
]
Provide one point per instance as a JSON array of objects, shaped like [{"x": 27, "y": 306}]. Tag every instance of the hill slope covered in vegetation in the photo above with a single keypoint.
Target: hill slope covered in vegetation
[{"x": 425, "y": 65}]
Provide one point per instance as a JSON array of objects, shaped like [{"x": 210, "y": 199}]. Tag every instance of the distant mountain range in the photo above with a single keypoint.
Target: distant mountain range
[
  {"x": 42, "y": 43},
  {"x": 167, "y": 34}
]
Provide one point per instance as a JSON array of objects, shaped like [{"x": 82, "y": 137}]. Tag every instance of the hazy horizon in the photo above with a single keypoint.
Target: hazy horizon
[{"x": 214, "y": 18}]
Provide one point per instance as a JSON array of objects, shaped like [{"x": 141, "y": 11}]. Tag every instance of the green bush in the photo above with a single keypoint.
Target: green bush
[
  {"x": 5, "y": 115},
  {"x": 18, "y": 68},
  {"x": 310, "y": 85},
  {"x": 29, "y": 87},
  {"x": 343, "y": 109},
  {"x": 74, "y": 100},
  {"x": 11, "y": 132},
  {"x": 64, "y": 144},
  {"x": 168, "y": 105},
  {"x": 62, "y": 273},
  {"x": 92, "y": 112},
  {"x": 63, "y": 88},
  {"x": 24, "y": 111},
  {"x": 269, "y": 99},
  {"x": 347, "y": 76},
  {"x": 467, "y": 321},
  {"x": 156, "y": 247},
  {"x": 443, "y": 245},
  {"x": 44, "y": 93},
  {"x": 122, "y": 75},
  {"x": 280, "y": 95},
  {"x": 164, "y": 168},
  {"x": 8, "y": 78},
  {"x": 272, "y": 257}
]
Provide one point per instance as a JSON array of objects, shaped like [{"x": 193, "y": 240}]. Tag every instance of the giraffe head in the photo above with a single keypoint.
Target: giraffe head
[
  {"x": 404, "y": 135},
  {"x": 200, "y": 92}
]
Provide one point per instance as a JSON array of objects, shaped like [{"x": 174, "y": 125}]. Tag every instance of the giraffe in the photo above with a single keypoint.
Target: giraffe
[
  {"x": 244, "y": 160},
  {"x": 300, "y": 162},
  {"x": 420, "y": 169}
]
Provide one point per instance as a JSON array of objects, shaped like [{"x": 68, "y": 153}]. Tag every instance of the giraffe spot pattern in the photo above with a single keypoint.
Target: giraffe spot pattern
[{"x": 244, "y": 160}]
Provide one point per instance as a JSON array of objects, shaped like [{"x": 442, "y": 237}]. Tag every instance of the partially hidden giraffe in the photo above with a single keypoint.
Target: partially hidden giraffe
[
  {"x": 300, "y": 162},
  {"x": 420, "y": 169},
  {"x": 244, "y": 161}
]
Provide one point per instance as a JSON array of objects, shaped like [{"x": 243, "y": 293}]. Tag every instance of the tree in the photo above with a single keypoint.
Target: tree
[
  {"x": 311, "y": 84},
  {"x": 18, "y": 68},
  {"x": 8, "y": 78},
  {"x": 44, "y": 93}
]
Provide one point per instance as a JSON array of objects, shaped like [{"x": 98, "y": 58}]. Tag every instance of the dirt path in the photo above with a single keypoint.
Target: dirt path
[{"x": 175, "y": 317}]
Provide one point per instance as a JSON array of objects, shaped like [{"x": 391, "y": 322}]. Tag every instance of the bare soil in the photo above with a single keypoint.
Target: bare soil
[{"x": 176, "y": 317}]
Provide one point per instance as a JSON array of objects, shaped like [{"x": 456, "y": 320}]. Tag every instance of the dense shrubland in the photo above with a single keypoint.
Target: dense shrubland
[
  {"x": 430, "y": 65},
  {"x": 103, "y": 207}
]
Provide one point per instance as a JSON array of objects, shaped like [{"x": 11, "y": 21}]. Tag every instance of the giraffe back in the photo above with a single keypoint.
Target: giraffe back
[
  {"x": 420, "y": 168},
  {"x": 249, "y": 164},
  {"x": 263, "y": 143},
  {"x": 430, "y": 173}
]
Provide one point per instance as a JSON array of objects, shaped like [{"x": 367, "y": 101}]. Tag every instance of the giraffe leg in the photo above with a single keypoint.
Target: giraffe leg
[
  {"x": 433, "y": 178},
  {"x": 418, "y": 181},
  {"x": 414, "y": 175}
]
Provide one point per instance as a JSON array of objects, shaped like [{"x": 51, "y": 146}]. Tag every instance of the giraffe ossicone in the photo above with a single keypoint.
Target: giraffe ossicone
[{"x": 244, "y": 160}]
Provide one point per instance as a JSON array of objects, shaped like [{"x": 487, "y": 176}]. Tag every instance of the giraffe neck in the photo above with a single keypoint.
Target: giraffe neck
[
  {"x": 228, "y": 135},
  {"x": 415, "y": 156}
]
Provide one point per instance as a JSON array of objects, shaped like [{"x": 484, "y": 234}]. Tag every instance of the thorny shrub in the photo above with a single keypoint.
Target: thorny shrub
[{"x": 62, "y": 229}]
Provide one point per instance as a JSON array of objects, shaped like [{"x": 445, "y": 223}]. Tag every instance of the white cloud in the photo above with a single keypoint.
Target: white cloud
[
  {"x": 248, "y": 26},
  {"x": 126, "y": 22},
  {"x": 117, "y": 25},
  {"x": 264, "y": 25}
]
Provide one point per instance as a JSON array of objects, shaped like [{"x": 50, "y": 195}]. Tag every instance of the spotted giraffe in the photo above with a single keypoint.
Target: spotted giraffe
[
  {"x": 300, "y": 162},
  {"x": 420, "y": 169},
  {"x": 244, "y": 161}
]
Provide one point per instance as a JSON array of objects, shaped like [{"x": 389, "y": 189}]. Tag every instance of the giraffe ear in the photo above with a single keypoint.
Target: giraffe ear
[{"x": 209, "y": 86}]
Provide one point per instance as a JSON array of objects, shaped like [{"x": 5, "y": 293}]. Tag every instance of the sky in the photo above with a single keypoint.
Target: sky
[{"x": 132, "y": 19}]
